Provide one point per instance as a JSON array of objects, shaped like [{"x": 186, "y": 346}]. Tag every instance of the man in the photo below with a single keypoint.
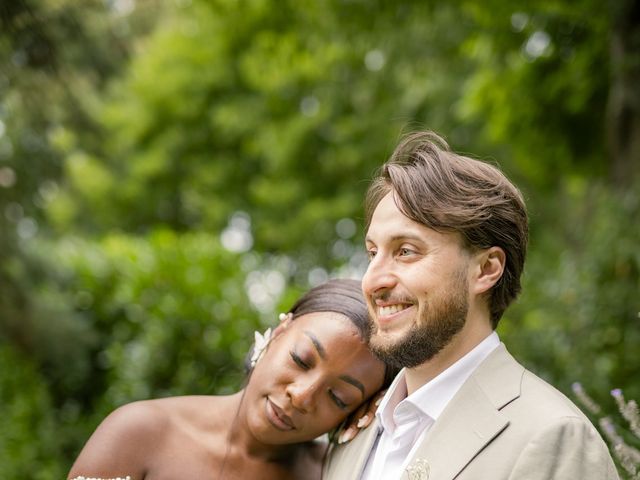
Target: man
[{"x": 447, "y": 237}]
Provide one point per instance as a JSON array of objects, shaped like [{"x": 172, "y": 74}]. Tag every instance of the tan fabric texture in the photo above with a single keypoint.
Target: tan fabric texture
[{"x": 503, "y": 424}]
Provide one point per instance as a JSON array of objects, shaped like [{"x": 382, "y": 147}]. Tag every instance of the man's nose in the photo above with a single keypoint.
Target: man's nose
[{"x": 378, "y": 277}]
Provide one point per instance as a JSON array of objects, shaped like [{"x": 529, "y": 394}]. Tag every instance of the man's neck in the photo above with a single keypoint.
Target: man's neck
[{"x": 471, "y": 335}]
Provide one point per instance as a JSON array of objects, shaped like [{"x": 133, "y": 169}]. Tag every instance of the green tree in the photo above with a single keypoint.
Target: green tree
[{"x": 168, "y": 168}]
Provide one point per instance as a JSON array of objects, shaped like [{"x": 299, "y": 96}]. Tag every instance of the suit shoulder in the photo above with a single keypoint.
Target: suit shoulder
[{"x": 542, "y": 398}]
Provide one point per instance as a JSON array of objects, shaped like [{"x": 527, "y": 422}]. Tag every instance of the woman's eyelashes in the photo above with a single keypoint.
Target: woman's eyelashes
[
  {"x": 299, "y": 361},
  {"x": 342, "y": 405}
]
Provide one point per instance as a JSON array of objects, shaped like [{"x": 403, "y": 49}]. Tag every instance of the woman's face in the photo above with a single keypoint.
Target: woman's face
[{"x": 315, "y": 372}]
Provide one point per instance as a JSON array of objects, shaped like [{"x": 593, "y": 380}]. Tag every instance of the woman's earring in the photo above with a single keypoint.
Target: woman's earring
[{"x": 260, "y": 345}]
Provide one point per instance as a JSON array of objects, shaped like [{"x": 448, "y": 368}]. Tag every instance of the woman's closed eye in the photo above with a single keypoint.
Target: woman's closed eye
[
  {"x": 337, "y": 400},
  {"x": 298, "y": 361}
]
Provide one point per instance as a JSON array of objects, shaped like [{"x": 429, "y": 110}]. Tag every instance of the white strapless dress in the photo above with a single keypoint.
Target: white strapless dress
[{"x": 81, "y": 477}]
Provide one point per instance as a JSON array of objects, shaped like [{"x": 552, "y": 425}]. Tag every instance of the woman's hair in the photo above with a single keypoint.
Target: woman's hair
[
  {"x": 448, "y": 192},
  {"x": 341, "y": 296}
]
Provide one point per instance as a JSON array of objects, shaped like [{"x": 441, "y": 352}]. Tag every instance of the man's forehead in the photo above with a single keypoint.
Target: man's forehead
[
  {"x": 388, "y": 210},
  {"x": 389, "y": 222}
]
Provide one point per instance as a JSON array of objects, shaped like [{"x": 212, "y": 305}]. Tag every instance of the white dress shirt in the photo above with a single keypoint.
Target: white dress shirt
[{"x": 405, "y": 420}]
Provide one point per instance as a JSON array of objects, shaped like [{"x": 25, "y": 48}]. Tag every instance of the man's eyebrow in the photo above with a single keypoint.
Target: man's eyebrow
[
  {"x": 354, "y": 382},
  {"x": 317, "y": 344},
  {"x": 395, "y": 238}
]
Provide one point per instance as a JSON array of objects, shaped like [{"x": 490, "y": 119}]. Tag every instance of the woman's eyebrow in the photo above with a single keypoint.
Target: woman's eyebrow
[
  {"x": 323, "y": 354},
  {"x": 354, "y": 382},
  {"x": 317, "y": 344}
]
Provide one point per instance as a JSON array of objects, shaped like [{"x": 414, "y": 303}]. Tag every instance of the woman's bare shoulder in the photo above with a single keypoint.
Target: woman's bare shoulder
[
  {"x": 125, "y": 441},
  {"x": 137, "y": 437}
]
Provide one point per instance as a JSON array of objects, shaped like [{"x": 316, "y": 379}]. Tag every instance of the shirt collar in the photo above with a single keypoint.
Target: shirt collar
[
  {"x": 395, "y": 394},
  {"x": 432, "y": 398}
]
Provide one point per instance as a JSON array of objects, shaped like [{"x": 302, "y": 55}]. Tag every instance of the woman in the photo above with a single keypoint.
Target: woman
[{"x": 306, "y": 379}]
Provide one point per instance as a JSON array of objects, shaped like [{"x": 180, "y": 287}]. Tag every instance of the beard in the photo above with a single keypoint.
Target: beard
[{"x": 436, "y": 324}]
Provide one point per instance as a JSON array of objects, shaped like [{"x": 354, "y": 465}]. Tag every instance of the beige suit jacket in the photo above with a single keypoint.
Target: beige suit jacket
[{"x": 503, "y": 423}]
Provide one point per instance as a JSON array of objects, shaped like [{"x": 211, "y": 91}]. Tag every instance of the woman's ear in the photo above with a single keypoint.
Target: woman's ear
[
  {"x": 285, "y": 321},
  {"x": 490, "y": 267}
]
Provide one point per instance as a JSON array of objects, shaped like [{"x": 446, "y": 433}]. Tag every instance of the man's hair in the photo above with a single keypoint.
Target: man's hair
[{"x": 448, "y": 192}]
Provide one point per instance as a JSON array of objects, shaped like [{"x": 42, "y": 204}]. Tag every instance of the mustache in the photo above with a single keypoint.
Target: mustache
[{"x": 390, "y": 297}]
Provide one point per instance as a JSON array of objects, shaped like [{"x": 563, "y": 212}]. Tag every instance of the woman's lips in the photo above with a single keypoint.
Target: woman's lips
[{"x": 277, "y": 417}]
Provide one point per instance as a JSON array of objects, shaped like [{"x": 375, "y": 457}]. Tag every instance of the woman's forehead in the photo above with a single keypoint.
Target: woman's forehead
[{"x": 324, "y": 323}]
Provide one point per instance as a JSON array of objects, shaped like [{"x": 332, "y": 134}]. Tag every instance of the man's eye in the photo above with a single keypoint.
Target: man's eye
[
  {"x": 337, "y": 401},
  {"x": 371, "y": 254},
  {"x": 405, "y": 252},
  {"x": 298, "y": 361}
]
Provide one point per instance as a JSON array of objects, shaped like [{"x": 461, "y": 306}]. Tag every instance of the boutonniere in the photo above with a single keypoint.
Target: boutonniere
[{"x": 418, "y": 470}]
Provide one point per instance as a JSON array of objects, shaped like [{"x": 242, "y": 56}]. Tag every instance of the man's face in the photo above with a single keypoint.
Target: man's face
[{"x": 416, "y": 286}]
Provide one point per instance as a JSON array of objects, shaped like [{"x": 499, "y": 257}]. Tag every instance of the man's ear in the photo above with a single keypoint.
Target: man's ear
[{"x": 489, "y": 269}]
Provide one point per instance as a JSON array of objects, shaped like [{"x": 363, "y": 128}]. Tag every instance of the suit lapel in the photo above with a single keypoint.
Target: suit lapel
[
  {"x": 364, "y": 446},
  {"x": 350, "y": 460},
  {"x": 472, "y": 419}
]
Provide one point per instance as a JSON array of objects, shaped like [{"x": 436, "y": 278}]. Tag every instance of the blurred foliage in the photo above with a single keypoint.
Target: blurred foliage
[
  {"x": 156, "y": 311},
  {"x": 579, "y": 316},
  {"x": 174, "y": 172},
  {"x": 150, "y": 316},
  {"x": 27, "y": 414}
]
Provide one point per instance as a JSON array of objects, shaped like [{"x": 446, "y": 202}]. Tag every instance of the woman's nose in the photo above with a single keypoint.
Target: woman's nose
[{"x": 302, "y": 395}]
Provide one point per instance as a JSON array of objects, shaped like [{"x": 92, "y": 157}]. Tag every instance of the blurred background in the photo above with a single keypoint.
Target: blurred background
[{"x": 174, "y": 173}]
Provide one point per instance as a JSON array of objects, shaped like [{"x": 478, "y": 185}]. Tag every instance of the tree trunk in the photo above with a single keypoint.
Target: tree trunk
[{"x": 624, "y": 96}]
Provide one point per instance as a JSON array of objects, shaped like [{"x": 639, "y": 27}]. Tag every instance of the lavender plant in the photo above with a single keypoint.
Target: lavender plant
[{"x": 627, "y": 455}]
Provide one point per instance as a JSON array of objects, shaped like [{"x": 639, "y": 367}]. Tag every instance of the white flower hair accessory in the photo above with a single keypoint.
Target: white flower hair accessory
[
  {"x": 260, "y": 345},
  {"x": 262, "y": 340}
]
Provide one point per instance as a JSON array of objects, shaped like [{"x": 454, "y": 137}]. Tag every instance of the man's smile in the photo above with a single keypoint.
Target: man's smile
[{"x": 386, "y": 310}]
